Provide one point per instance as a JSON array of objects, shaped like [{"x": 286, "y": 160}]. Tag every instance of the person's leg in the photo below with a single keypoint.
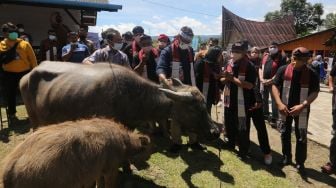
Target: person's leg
[
  {"x": 301, "y": 145},
  {"x": 10, "y": 89},
  {"x": 275, "y": 112},
  {"x": 265, "y": 96},
  {"x": 231, "y": 122},
  {"x": 332, "y": 155},
  {"x": 244, "y": 137},
  {"x": 260, "y": 125},
  {"x": 286, "y": 129}
]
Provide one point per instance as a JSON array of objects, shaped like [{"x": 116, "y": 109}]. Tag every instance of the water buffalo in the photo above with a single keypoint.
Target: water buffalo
[
  {"x": 59, "y": 91},
  {"x": 72, "y": 154}
]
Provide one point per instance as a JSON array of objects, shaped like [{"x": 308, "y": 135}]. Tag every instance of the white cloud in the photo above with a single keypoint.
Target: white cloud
[
  {"x": 170, "y": 27},
  {"x": 122, "y": 28},
  {"x": 329, "y": 9}
]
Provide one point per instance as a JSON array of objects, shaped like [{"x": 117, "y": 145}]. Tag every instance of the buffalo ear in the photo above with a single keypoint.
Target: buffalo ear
[{"x": 177, "y": 82}]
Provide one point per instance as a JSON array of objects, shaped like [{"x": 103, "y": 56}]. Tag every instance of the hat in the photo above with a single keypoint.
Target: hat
[
  {"x": 301, "y": 52},
  {"x": 128, "y": 35},
  {"x": 212, "y": 54},
  {"x": 138, "y": 30},
  {"x": 240, "y": 47},
  {"x": 163, "y": 37},
  {"x": 186, "y": 33}
]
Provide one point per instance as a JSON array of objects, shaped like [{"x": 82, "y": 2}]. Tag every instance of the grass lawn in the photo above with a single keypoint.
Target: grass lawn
[{"x": 213, "y": 168}]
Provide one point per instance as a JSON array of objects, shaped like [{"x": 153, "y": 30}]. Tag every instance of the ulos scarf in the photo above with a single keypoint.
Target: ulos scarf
[
  {"x": 177, "y": 70},
  {"x": 241, "y": 102},
  {"x": 304, "y": 82},
  {"x": 155, "y": 52}
]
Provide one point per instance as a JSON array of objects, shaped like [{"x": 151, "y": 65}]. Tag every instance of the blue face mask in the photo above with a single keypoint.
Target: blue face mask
[{"x": 13, "y": 35}]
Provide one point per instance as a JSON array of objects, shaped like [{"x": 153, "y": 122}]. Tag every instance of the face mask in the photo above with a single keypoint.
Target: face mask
[
  {"x": 236, "y": 56},
  {"x": 52, "y": 37},
  {"x": 273, "y": 51},
  {"x": 147, "y": 48},
  {"x": 21, "y": 30},
  {"x": 184, "y": 46},
  {"x": 117, "y": 46},
  {"x": 13, "y": 35}
]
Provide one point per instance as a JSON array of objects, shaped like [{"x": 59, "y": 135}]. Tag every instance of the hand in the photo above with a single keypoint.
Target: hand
[
  {"x": 256, "y": 106},
  {"x": 283, "y": 109},
  {"x": 296, "y": 110},
  {"x": 268, "y": 82},
  {"x": 228, "y": 76}
]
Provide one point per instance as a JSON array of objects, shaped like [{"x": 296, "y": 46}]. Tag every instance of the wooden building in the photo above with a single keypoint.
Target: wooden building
[
  {"x": 36, "y": 14},
  {"x": 319, "y": 43},
  {"x": 261, "y": 34}
]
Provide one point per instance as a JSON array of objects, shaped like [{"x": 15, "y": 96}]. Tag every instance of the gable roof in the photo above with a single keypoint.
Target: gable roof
[
  {"x": 259, "y": 34},
  {"x": 97, "y": 5}
]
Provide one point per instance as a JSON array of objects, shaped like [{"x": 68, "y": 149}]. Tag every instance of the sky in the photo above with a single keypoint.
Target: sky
[{"x": 203, "y": 16}]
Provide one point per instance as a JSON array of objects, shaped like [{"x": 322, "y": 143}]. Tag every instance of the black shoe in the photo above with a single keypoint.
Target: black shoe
[
  {"x": 175, "y": 148},
  {"x": 197, "y": 146},
  {"x": 285, "y": 161},
  {"x": 301, "y": 168}
]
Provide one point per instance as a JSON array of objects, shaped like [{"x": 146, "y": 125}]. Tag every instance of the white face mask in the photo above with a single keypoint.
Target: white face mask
[
  {"x": 117, "y": 46},
  {"x": 273, "y": 50},
  {"x": 21, "y": 30},
  {"x": 52, "y": 37},
  {"x": 184, "y": 46},
  {"x": 236, "y": 56},
  {"x": 162, "y": 44}
]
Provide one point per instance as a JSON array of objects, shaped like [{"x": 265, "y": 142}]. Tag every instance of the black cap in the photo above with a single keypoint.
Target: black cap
[
  {"x": 240, "y": 47},
  {"x": 138, "y": 30},
  {"x": 128, "y": 35},
  {"x": 212, "y": 54},
  {"x": 273, "y": 43}
]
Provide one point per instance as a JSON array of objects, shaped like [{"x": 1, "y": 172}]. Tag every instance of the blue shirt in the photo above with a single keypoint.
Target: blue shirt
[{"x": 78, "y": 55}]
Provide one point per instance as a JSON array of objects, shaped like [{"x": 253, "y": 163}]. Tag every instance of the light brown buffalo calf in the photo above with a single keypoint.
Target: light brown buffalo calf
[{"x": 72, "y": 154}]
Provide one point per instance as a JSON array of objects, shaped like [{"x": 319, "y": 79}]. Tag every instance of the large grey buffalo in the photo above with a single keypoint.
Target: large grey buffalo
[{"x": 55, "y": 92}]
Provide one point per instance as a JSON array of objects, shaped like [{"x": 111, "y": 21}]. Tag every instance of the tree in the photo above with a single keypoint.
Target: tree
[
  {"x": 273, "y": 15},
  {"x": 330, "y": 20},
  {"x": 307, "y": 17}
]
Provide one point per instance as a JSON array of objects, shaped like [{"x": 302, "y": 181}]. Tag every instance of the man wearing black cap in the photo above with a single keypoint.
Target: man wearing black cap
[
  {"x": 207, "y": 73},
  {"x": 295, "y": 87},
  {"x": 242, "y": 101},
  {"x": 137, "y": 31},
  {"x": 269, "y": 66},
  {"x": 176, "y": 61}
]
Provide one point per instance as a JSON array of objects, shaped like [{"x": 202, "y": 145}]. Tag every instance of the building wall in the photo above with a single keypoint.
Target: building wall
[
  {"x": 314, "y": 43},
  {"x": 36, "y": 19}
]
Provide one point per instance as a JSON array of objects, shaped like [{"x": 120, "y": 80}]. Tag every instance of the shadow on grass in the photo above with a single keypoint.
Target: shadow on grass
[
  {"x": 135, "y": 181},
  {"x": 18, "y": 127},
  {"x": 197, "y": 161},
  {"x": 318, "y": 176},
  {"x": 257, "y": 161}
]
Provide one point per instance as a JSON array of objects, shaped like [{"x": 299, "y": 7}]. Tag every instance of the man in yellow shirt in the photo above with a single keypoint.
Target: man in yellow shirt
[{"x": 16, "y": 67}]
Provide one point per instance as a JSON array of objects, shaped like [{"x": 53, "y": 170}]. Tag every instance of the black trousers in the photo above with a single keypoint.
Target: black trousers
[
  {"x": 243, "y": 136},
  {"x": 301, "y": 140},
  {"x": 11, "y": 83},
  {"x": 332, "y": 155}
]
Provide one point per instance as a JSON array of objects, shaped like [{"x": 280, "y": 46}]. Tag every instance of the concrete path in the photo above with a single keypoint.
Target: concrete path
[{"x": 320, "y": 120}]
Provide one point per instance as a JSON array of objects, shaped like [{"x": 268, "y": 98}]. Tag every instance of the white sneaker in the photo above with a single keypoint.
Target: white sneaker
[{"x": 268, "y": 159}]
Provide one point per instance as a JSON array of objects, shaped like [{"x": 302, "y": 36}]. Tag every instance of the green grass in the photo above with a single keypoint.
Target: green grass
[{"x": 205, "y": 169}]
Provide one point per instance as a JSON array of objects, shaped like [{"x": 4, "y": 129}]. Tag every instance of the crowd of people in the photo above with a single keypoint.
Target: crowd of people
[{"x": 244, "y": 80}]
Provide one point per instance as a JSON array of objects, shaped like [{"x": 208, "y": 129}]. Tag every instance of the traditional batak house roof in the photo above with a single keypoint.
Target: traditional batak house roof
[{"x": 259, "y": 34}]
